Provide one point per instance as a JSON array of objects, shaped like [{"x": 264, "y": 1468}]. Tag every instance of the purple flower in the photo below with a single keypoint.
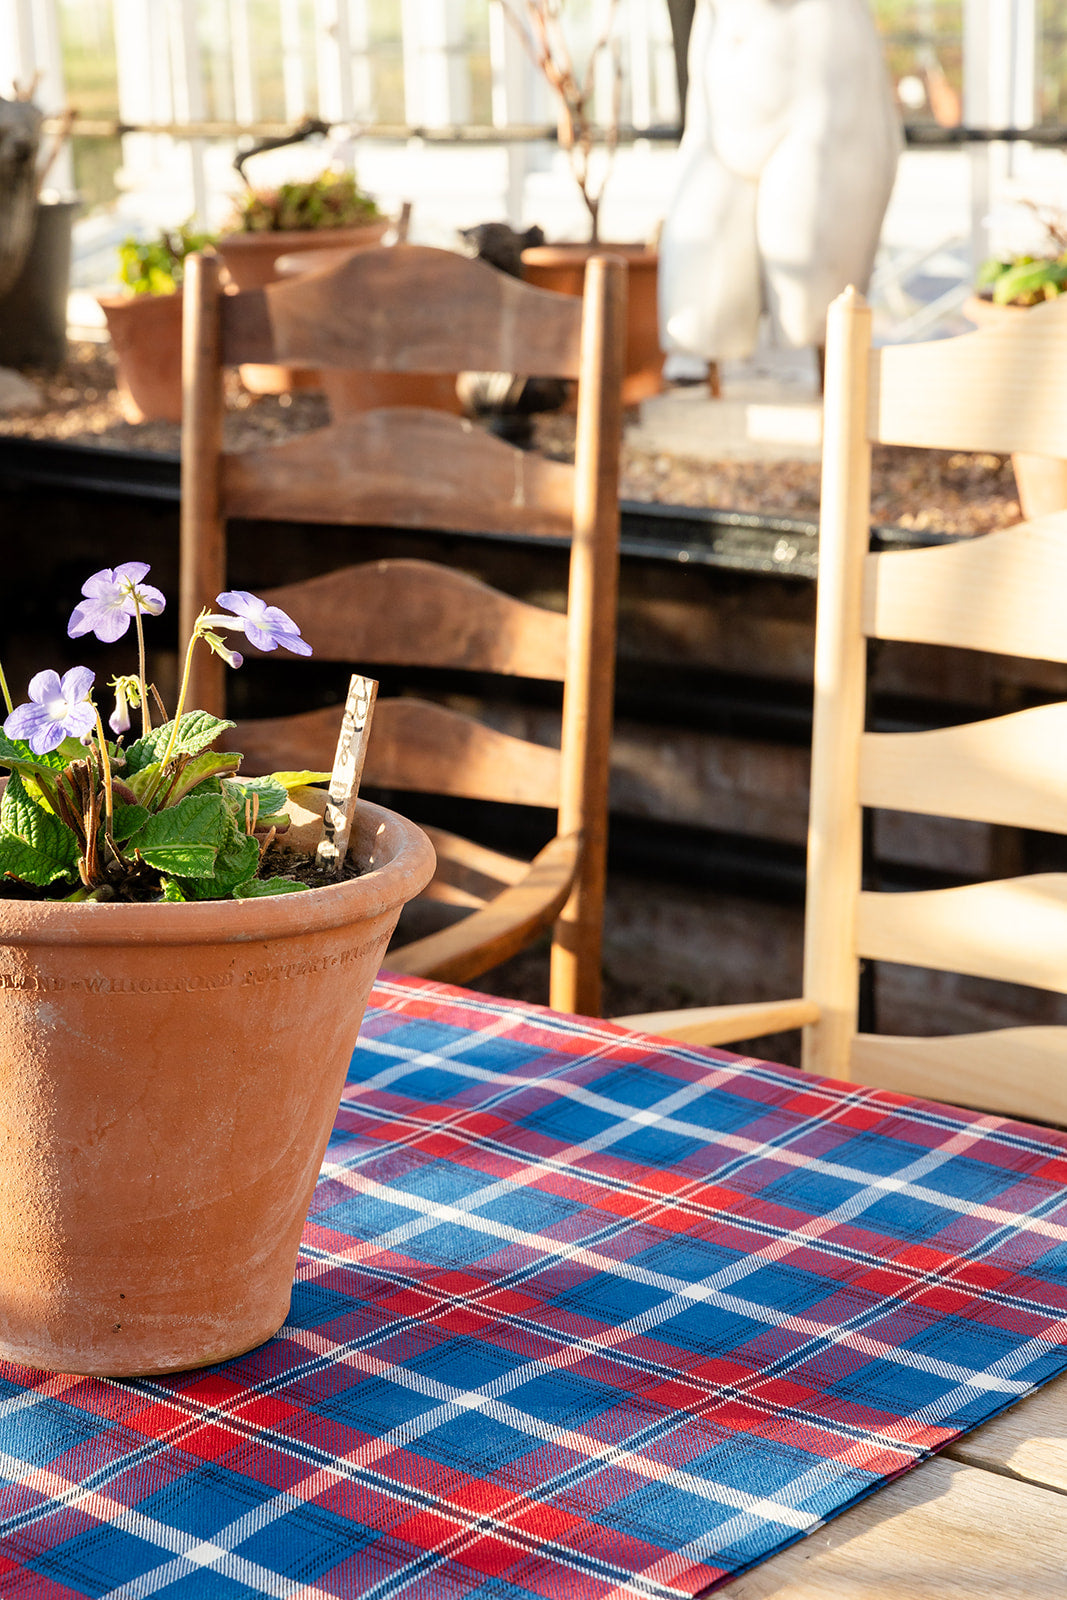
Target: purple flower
[
  {"x": 264, "y": 626},
  {"x": 112, "y": 598},
  {"x": 57, "y": 710}
]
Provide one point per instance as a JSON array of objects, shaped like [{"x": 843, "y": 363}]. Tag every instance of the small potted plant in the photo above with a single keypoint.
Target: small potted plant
[
  {"x": 562, "y": 266},
  {"x": 145, "y": 323},
  {"x": 304, "y": 214},
  {"x": 1007, "y": 286},
  {"x": 176, "y": 1017}
]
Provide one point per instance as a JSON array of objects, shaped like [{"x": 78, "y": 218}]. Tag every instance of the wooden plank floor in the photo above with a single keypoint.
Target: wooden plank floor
[{"x": 986, "y": 1518}]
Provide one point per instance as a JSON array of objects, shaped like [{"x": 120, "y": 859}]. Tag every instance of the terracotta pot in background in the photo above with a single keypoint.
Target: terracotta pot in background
[
  {"x": 1041, "y": 481},
  {"x": 250, "y": 258},
  {"x": 146, "y": 334},
  {"x": 562, "y": 267},
  {"x": 169, "y": 1075}
]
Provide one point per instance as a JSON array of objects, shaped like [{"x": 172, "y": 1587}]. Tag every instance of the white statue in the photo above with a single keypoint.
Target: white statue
[{"x": 785, "y": 170}]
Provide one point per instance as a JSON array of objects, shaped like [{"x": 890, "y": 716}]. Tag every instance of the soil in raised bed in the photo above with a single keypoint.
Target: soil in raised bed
[{"x": 939, "y": 490}]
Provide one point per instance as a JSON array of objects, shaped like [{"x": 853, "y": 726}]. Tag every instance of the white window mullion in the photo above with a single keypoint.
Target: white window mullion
[
  {"x": 436, "y": 72},
  {"x": 333, "y": 58},
  {"x": 245, "y": 98},
  {"x": 294, "y": 80},
  {"x": 189, "y": 99},
  {"x": 513, "y": 89}
]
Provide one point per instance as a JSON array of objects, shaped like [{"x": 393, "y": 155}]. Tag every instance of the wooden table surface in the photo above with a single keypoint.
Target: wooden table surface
[{"x": 987, "y": 1517}]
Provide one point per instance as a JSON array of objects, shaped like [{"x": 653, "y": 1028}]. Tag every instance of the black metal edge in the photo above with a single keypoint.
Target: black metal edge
[{"x": 700, "y": 536}]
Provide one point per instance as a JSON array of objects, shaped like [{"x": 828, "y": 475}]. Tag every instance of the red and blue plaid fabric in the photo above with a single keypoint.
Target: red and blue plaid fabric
[{"x": 578, "y": 1315}]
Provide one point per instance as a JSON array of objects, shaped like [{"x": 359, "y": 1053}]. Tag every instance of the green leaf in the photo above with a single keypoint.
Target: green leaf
[
  {"x": 127, "y": 820},
  {"x": 172, "y": 890},
  {"x": 34, "y": 845},
  {"x": 260, "y": 887},
  {"x": 143, "y": 782},
  {"x": 212, "y": 764},
  {"x": 235, "y": 864},
  {"x": 299, "y": 780},
  {"x": 183, "y": 860},
  {"x": 195, "y": 732},
  {"x": 1028, "y": 281},
  {"x": 16, "y": 754},
  {"x": 184, "y": 839},
  {"x": 271, "y": 795}
]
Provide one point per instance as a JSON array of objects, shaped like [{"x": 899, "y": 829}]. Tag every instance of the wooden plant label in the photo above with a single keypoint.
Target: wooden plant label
[{"x": 347, "y": 771}]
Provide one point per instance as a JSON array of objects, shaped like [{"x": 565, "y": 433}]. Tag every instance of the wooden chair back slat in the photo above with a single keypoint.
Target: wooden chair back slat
[
  {"x": 1020, "y": 1071},
  {"x": 1004, "y": 592},
  {"x": 406, "y": 308},
  {"x": 416, "y": 746},
  {"x": 1000, "y": 389},
  {"x": 1012, "y": 930},
  {"x": 417, "y": 613},
  {"x": 410, "y": 309},
  {"x": 1009, "y": 770},
  {"x": 360, "y": 471}
]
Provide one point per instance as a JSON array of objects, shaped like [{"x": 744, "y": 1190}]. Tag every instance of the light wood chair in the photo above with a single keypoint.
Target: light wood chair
[
  {"x": 1000, "y": 390},
  {"x": 416, "y": 309}
]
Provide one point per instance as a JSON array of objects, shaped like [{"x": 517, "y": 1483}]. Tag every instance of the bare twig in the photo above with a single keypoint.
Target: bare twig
[{"x": 539, "y": 23}]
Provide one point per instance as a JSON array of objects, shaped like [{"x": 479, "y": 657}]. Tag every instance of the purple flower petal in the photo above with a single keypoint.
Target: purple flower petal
[
  {"x": 57, "y": 710},
  {"x": 77, "y": 683},
  {"x": 264, "y": 626},
  {"x": 112, "y": 597},
  {"x": 45, "y": 686}
]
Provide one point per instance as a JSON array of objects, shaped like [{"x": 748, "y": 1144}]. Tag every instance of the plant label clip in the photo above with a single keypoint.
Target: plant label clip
[{"x": 347, "y": 771}]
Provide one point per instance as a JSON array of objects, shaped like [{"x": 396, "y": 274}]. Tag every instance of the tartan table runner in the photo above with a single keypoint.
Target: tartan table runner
[{"x": 578, "y": 1314}]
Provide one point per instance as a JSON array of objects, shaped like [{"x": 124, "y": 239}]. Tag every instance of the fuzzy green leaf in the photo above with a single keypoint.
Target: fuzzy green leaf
[
  {"x": 127, "y": 820},
  {"x": 144, "y": 781},
  {"x": 35, "y": 846},
  {"x": 184, "y": 839},
  {"x": 195, "y": 732},
  {"x": 212, "y": 764},
  {"x": 271, "y": 796},
  {"x": 17, "y": 755},
  {"x": 299, "y": 780},
  {"x": 172, "y": 891},
  {"x": 235, "y": 864},
  {"x": 259, "y": 887},
  {"x": 180, "y": 859}
]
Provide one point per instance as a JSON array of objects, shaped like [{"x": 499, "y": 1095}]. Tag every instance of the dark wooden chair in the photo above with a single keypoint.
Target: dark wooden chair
[{"x": 414, "y": 309}]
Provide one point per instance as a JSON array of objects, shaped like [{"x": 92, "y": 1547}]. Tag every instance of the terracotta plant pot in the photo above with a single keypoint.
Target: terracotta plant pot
[
  {"x": 1041, "y": 481},
  {"x": 169, "y": 1075},
  {"x": 146, "y": 334},
  {"x": 562, "y": 267},
  {"x": 249, "y": 259},
  {"x": 348, "y": 391}
]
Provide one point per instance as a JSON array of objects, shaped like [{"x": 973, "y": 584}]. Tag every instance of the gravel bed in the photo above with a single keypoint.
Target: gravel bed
[{"x": 922, "y": 489}]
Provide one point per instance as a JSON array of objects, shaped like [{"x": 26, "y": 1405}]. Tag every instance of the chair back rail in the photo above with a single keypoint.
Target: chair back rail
[
  {"x": 408, "y": 612},
  {"x": 1015, "y": 1070},
  {"x": 1001, "y": 592},
  {"x": 457, "y": 315},
  {"x": 1010, "y": 770},
  {"x": 415, "y": 745},
  {"x": 1000, "y": 389},
  {"x": 360, "y": 471},
  {"x": 410, "y": 309},
  {"x": 1013, "y": 930},
  {"x": 1004, "y": 592}
]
